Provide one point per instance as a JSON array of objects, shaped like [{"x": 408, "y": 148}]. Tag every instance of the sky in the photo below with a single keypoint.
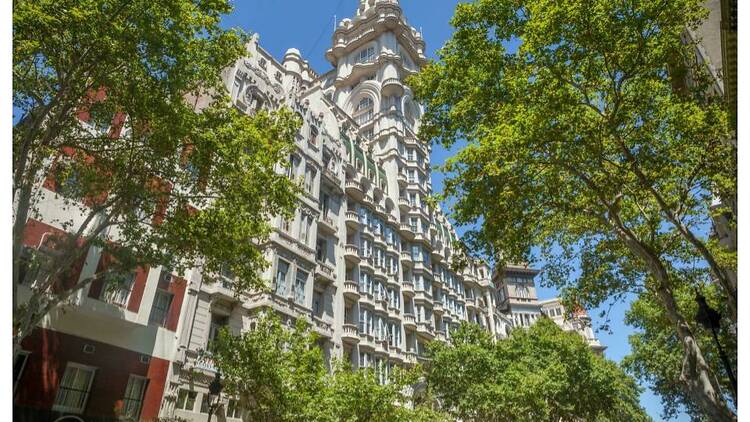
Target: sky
[{"x": 308, "y": 26}]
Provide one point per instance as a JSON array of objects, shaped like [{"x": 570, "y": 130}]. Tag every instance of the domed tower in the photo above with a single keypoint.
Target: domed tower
[
  {"x": 387, "y": 181},
  {"x": 372, "y": 54}
]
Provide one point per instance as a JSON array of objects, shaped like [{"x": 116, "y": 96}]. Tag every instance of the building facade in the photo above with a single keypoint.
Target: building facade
[
  {"x": 517, "y": 298},
  {"x": 366, "y": 260}
]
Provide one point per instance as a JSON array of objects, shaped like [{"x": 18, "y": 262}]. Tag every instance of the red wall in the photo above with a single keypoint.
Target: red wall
[
  {"x": 51, "y": 350},
  {"x": 177, "y": 288}
]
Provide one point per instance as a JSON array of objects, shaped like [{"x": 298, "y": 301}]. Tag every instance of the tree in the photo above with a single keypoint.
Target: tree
[
  {"x": 585, "y": 142},
  {"x": 279, "y": 374},
  {"x": 359, "y": 396},
  {"x": 656, "y": 356},
  {"x": 123, "y": 114},
  {"x": 541, "y": 374}
]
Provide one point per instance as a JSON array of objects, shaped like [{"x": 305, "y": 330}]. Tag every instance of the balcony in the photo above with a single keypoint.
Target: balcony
[
  {"x": 382, "y": 305},
  {"x": 351, "y": 290},
  {"x": 421, "y": 267},
  {"x": 396, "y": 354},
  {"x": 366, "y": 265},
  {"x": 410, "y": 322},
  {"x": 351, "y": 254},
  {"x": 349, "y": 334},
  {"x": 407, "y": 288},
  {"x": 422, "y": 238},
  {"x": 440, "y": 336},
  {"x": 381, "y": 211},
  {"x": 422, "y": 296},
  {"x": 352, "y": 220},
  {"x": 425, "y": 329},
  {"x": 437, "y": 307},
  {"x": 325, "y": 273},
  {"x": 354, "y": 189},
  {"x": 437, "y": 254},
  {"x": 221, "y": 291},
  {"x": 406, "y": 259},
  {"x": 326, "y": 224},
  {"x": 365, "y": 299},
  {"x": 392, "y": 282},
  {"x": 404, "y": 204},
  {"x": 392, "y": 86},
  {"x": 411, "y": 357},
  {"x": 332, "y": 178},
  {"x": 471, "y": 304},
  {"x": 323, "y": 328},
  {"x": 366, "y": 341},
  {"x": 401, "y": 179},
  {"x": 406, "y": 231}
]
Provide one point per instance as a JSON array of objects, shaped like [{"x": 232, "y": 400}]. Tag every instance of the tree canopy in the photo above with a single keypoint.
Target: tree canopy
[
  {"x": 278, "y": 373},
  {"x": 541, "y": 374},
  {"x": 593, "y": 141},
  {"x": 126, "y": 138}
]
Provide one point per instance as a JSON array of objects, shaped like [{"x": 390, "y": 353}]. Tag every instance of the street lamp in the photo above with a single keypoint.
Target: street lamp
[
  {"x": 214, "y": 389},
  {"x": 711, "y": 319}
]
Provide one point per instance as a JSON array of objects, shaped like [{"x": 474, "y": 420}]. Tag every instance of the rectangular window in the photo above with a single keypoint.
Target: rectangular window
[
  {"x": 133, "y": 400},
  {"x": 186, "y": 400},
  {"x": 19, "y": 363},
  {"x": 237, "y": 86},
  {"x": 285, "y": 225},
  {"x": 299, "y": 287},
  {"x": 366, "y": 55},
  {"x": 325, "y": 203},
  {"x": 320, "y": 250},
  {"x": 74, "y": 389},
  {"x": 363, "y": 321},
  {"x": 318, "y": 303},
  {"x": 416, "y": 254},
  {"x": 160, "y": 307},
  {"x": 204, "y": 403},
  {"x": 233, "y": 410},
  {"x": 309, "y": 179},
  {"x": 291, "y": 170},
  {"x": 217, "y": 323},
  {"x": 281, "y": 271},
  {"x": 305, "y": 225},
  {"x": 118, "y": 289}
]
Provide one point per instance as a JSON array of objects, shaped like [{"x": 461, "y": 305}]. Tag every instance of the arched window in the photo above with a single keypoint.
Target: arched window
[
  {"x": 365, "y": 110},
  {"x": 364, "y": 103}
]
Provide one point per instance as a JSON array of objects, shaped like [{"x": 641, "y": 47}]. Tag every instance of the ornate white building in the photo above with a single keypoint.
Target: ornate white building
[{"x": 365, "y": 259}]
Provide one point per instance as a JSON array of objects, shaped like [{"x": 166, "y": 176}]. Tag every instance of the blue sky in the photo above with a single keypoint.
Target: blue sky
[{"x": 308, "y": 25}]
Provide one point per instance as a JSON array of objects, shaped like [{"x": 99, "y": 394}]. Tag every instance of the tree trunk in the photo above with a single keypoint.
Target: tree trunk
[{"x": 699, "y": 379}]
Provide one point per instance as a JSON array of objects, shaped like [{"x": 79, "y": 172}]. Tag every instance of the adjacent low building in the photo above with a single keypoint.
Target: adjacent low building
[{"x": 517, "y": 298}]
